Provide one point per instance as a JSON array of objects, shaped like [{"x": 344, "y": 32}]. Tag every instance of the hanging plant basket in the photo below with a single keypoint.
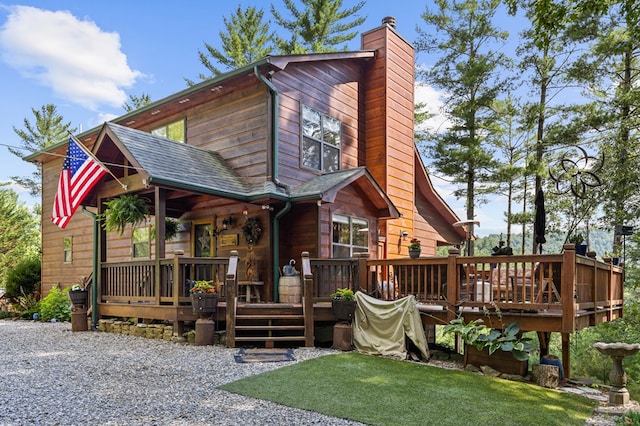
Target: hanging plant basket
[{"x": 128, "y": 209}]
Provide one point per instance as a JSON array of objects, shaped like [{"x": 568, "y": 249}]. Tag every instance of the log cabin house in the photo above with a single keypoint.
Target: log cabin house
[{"x": 317, "y": 151}]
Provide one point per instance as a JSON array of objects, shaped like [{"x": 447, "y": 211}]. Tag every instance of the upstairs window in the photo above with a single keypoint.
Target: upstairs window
[
  {"x": 350, "y": 235},
  {"x": 141, "y": 242},
  {"x": 67, "y": 249},
  {"x": 174, "y": 131},
  {"x": 321, "y": 136}
]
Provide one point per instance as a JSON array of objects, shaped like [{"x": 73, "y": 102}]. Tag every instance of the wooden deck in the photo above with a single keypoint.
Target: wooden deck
[{"x": 544, "y": 293}]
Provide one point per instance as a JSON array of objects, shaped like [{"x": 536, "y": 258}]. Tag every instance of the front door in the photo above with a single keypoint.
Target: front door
[{"x": 203, "y": 245}]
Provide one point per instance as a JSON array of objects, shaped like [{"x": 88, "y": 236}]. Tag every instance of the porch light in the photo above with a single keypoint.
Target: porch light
[
  {"x": 404, "y": 234},
  {"x": 226, "y": 222},
  {"x": 245, "y": 211}
]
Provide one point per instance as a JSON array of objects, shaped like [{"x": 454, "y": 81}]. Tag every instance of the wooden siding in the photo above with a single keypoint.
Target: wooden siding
[
  {"x": 390, "y": 147},
  {"x": 237, "y": 127},
  {"x": 329, "y": 88}
]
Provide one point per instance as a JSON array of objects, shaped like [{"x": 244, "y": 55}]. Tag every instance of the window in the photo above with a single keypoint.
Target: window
[
  {"x": 350, "y": 235},
  {"x": 320, "y": 141},
  {"x": 141, "y": 241},
  {"x": 174, "y": 131},
  {"x": 67, "y": 252}
]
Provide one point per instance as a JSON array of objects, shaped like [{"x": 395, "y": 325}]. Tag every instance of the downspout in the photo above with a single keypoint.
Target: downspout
[
  {"x": 94, "y": 275},
  {"x": 275, "y": 146}
]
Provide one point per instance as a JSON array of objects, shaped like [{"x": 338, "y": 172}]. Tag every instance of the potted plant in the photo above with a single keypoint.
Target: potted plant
[
  {"x": 578, "y": 240},
  {"x": 343, "y": 304},
  {"x": 126, "y": 209},
  {"x": 414, "y": 248},
  {"x": 78, "y": 295},
  {"x": 204, "y": 297}
]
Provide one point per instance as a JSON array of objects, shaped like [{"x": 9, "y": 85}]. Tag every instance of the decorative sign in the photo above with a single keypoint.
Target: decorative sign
[{"x": 229, "y": 240}]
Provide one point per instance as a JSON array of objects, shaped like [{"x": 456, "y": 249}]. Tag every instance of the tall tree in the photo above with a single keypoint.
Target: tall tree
[
  {"x": 20, "y": 237},
  {"x": 611, "y": 72},
  {"x": 469, "y": 72},
  {"x": 245, "y": 40},
  {"x": 48, "y": 129},
  {"x": 319, "y": 27}
]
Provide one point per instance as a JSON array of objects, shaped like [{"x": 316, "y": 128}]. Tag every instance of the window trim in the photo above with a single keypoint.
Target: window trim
[
  {"x": 322, "y": 142},
  {"x": 350, "y": 220},
  {"x": 134, "y": 244},
  {"x": 69, "y": 250}
]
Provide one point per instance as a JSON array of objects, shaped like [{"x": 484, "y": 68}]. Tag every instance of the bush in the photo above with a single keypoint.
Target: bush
[
  {"x": 56, "y": 305},
  {"x": 24, "y": 279}
]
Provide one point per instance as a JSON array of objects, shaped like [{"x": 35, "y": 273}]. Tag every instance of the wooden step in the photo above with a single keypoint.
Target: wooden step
[
  {"x": 269, "y": 327},
  {"x": 269, "y": 338},
  {"x": 269, "y": 317}
]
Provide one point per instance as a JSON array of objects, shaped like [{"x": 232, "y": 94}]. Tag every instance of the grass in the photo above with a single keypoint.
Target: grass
[{"x": 383, "y": 391}]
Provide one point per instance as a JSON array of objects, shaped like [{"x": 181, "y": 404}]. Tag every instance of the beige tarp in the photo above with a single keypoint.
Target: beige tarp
[{"x": 380, "y": 327}]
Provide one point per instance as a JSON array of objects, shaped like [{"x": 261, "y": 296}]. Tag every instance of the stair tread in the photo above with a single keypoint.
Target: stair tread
[
  {"x": 269, "y": 327},
  {"x": 268, "y": 338},
  {"x": 269, "y": 317}
]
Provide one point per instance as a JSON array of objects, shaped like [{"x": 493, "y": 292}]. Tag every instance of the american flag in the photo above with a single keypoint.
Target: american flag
[{"x": 80, "y": 173}]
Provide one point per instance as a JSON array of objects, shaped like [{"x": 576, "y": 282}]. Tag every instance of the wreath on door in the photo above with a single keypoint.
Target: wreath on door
[{"x": 252, "y": 230}]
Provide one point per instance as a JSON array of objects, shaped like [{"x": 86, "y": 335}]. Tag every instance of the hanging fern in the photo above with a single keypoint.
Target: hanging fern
[{"x": 124, "y": 210}]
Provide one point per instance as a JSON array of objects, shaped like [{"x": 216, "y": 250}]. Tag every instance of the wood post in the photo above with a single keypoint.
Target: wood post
[
  {"x": 307, "y": 300},
  {"x": 231, "y": 293}
]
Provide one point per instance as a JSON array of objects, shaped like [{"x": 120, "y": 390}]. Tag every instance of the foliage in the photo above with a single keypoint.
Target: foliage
[
  {"x": 56, "y": 305},
  {"x": 20, "y": 236},
  {"x": 203, "y": 287},
  {"x": 27, "y": 305},
  {"x": 252, "y": 230},
  {"x": 319, "y": 27},
  {"x": 343, "y": 294},
  {"x": 245, "y": 40},
  {"x": 170, "y": 229},
  {"x": 576, "y": 239},
  {"x": 414, "y": 244},
  {"x": 508, "y": 339},
  {"x": 469, "y": 72},
  {"x": 24, "y": 278},
  {"x": 454, "y": 397},
  {"x": 630, "y": 418},
  {"x": 136, "y": 102},
  {"x": 126, "y": 209},
  {"x": 48, "y": 129}
]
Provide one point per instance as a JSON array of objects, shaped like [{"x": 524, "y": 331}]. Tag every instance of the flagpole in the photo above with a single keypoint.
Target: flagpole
[{"x": 86, "y": 151}]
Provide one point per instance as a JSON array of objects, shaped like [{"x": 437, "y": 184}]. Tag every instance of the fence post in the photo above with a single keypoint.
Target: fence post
[
  {"x": 567, "y": 292},
  {"x": 231, "y": 292},
  {"x": 453, "y": 283},
  {"x": 362, "y": 272},
  {"x": 307, "y": 299},
  {"x": 177, "y": 283}
]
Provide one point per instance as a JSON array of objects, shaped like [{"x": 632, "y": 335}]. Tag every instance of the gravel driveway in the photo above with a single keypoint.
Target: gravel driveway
[{"x": 53, "y": 376}]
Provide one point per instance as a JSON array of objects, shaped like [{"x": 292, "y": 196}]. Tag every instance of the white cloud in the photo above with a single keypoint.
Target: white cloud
[
  {"x": 433, "y": 100},
  {"x": 75, "y": 58}
]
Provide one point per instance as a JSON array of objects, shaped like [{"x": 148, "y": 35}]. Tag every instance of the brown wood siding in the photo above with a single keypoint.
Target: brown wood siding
[
  {"x": 80, "y": 229},
  {"x": 389, "y": 133},
  {"x": 329, "y": 88},
  {"x": 237, "y": 127}
]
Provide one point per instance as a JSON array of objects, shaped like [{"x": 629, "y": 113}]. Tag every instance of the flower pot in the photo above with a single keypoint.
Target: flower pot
[
  {"x": 78, "y": 297},
  {"x": 414, "y": 254},
  {"x": 204, "y": 303},
  {"x": 343, "y": 310},
  {"x": 499, "y": 360},
  {"x": 581, "y": 249}
]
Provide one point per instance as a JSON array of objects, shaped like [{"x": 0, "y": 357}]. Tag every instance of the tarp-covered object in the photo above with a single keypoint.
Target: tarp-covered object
[{"x": 380, "y": 327}]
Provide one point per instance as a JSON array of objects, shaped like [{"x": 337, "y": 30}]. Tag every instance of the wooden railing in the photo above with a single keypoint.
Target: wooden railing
[
  {"x": 560, "y": 282},
  {"x": 160, "y": 282}
]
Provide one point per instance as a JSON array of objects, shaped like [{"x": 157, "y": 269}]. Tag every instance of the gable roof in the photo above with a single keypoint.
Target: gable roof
[{"x": 176, "y": 165}]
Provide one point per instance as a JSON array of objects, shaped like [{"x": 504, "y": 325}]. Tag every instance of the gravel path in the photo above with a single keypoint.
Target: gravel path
[{"x": 52, "y": 376}]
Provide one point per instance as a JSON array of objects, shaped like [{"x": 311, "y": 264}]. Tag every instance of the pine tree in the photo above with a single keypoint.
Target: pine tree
[
  {"x": 48, "y": 129},
  {"x": 320, "y": 27}
]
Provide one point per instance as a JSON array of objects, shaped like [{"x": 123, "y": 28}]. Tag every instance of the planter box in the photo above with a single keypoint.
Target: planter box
[
  {"x": 204, "y": 303},
  {"x": 499, "y": 360},
  {"x": 343, "y": 310},
  {"x": 78, "y": 297}
]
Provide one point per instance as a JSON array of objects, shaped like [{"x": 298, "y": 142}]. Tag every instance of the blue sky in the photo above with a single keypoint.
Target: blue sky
[{"x": 86, "y": 57}]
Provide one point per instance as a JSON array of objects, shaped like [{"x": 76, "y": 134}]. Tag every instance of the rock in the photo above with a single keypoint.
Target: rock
[{"x": 488, "y": 371}]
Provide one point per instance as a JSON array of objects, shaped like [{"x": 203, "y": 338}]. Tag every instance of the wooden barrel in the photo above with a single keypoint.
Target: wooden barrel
[{"x": 290, "y": 289}]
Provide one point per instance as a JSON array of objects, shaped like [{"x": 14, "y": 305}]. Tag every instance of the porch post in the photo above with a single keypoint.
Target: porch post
[
  {"x": 568, "y": 288},
  {"x": 453, "y": 283},
  {"x": 160, "y": 203},
  {"x": 307, "y": 300},
  {"x": 231, "y": 291}
]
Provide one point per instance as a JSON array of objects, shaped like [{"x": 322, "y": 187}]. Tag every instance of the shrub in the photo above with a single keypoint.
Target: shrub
[
  {"x": 24, "y": 279},
  {"x": 56, "y": 305}
]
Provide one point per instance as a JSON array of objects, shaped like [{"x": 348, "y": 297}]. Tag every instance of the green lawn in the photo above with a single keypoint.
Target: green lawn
[{"x": 382, "y": 391}]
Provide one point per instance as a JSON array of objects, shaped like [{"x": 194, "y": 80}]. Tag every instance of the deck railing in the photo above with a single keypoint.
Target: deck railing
[
  {"x": 563, "y": 281},
  {"x": 159, "y": 282}
]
